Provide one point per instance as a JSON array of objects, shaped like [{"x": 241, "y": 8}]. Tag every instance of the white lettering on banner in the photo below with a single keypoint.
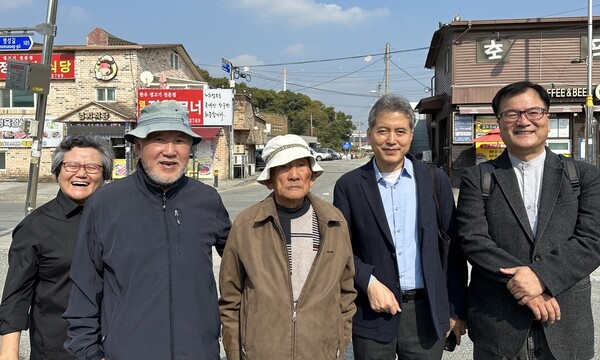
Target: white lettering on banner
[{"x": 493, "y": 49}]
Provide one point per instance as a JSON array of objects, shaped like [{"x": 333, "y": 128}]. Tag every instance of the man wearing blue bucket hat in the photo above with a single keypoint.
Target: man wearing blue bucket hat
[{"x": 143, "y": 285}]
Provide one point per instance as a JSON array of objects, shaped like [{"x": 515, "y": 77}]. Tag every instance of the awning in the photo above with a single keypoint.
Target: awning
[
  {"x": 431, "y": 104},
  {"x": 207, "y": 133},
  {"x": 487, "y": 110}
]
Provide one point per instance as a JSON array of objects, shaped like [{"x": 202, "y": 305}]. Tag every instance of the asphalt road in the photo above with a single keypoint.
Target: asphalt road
[{"x": 237, "y": 195}]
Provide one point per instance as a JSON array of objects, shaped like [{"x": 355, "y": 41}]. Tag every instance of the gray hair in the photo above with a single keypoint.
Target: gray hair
[
  {"x": 392, "y": 103},
  {"x": 84, "y": 141}
]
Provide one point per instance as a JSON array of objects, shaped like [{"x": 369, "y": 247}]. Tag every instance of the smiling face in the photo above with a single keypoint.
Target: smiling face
[
  {"x": 524, "y": 138},
  {"x": 80, "y": 185},
  {"x": 390, "y": 138},
  {"x": 164, "y": 155},
  {"x": 291, "y": 182}
]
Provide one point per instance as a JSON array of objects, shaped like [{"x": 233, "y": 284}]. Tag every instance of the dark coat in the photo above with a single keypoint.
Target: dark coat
[
  {"x": 357, "y": 195},
  {"x": 142, "y": 272},
  {"x": 563, "y": 253}
]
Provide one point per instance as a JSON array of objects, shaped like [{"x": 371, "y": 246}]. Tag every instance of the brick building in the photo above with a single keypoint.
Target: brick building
[
  {"x": 95, "y": 88},
  {"x": 474, "y": 59}
]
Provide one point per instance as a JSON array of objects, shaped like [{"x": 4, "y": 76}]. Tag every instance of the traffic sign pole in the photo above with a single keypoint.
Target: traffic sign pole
[{"x": 40, "y": 113}]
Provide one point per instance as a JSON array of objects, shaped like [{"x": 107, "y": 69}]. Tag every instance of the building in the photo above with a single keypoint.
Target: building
[
  {"x": 474, "y": 59},
  {"x": 100, "y": 87}
]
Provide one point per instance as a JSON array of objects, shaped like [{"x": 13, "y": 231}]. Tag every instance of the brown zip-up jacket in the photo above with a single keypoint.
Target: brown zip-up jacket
[{"x": 258, "y": 314}]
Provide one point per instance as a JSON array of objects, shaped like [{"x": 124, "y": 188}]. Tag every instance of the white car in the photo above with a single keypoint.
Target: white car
[{"x": 320, "y": 154}]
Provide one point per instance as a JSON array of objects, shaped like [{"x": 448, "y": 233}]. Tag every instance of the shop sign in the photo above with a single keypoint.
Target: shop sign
[
  {"x": 493, "y": 50},
  {"x": 62, "y": 64},
  {"x": 13, "y": 135},
  {"x": 87, "y": 115},
  {"x": 212, "y": 107},
  {"x": 105, "y": 68}
]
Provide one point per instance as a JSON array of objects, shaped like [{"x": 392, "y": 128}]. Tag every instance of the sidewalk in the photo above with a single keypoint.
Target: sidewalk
[{"x": 16, "y": 191}]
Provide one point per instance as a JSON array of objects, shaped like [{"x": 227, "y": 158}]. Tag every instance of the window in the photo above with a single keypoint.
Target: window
[
  {"x": 16, "y": 99},
  {"x": 2, "y": 160},
  {"x": 105, "y": 94},
  {"x": 447, "y": 61},
  {"x": 174, "y": 61}
]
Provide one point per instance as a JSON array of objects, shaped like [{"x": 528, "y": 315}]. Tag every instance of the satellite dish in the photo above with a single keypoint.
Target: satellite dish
[{"x": 146, "y": 77}]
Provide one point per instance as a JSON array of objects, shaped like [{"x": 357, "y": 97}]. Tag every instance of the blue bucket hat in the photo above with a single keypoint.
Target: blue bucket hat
[{"x": 163, "y": 116}]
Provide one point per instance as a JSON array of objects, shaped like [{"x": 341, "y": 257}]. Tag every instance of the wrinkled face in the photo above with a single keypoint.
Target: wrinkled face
[
  {"x": 291, "y": 182},
  {"x": 390, "y": 137},
  {"x": 524, "y": 138},
  {"x": 164, "y": 155},
  {"x": 80, "y": 185}
]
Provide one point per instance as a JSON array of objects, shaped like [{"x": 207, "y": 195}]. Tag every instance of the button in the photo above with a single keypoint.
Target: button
[
  {"x": 397, "y": 285},
  {"x": 537, "y": 258},
  {"x": 397, "y": 230},
  {"x": 399, "y": 252}
]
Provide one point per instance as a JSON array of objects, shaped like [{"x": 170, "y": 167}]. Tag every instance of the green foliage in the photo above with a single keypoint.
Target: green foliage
[{"x": 331, "y": 127}]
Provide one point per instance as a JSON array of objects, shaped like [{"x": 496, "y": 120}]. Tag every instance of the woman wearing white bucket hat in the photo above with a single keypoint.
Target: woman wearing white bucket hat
[{"x": 286, "y": 276}]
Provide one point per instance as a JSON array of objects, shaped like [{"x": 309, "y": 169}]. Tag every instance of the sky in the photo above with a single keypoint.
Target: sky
[{"x": 330, "y": 50}]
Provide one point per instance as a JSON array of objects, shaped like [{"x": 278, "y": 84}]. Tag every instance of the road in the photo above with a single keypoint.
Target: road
[{"x": 236, "y": 198}]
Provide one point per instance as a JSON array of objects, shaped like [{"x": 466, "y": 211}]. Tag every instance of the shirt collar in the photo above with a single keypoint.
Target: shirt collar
[
  {"x": 408, "y": 170},
  {"x": 538, "y": 161},
  {"x": 68, "y": 206}
]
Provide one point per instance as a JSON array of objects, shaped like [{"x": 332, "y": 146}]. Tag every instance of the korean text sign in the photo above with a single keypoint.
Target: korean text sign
[
  {"x": 62, "y": 64},
  {"x": 206, "y": 107}
]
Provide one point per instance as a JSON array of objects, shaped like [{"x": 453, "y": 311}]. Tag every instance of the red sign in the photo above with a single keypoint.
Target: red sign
[
  {"x": 190, "y": 98},
  {"x": 63, "y": 64}
]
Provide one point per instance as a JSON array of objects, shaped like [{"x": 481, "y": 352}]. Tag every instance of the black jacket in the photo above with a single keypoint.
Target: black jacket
[
  {"x": 37, "y": 285},
  {"x": 143, "y": 283}
]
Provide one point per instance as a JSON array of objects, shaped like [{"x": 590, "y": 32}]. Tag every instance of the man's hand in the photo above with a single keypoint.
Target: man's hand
[
  {"x": 523, "y": 283},
  {"x": 545, "y": 308},
  {"x": 381, "y": 298},
  {"x": 459, "y": 327}
]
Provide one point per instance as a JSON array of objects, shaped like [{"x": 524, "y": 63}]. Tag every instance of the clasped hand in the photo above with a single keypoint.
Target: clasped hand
[{"x": 381, "y": 298}]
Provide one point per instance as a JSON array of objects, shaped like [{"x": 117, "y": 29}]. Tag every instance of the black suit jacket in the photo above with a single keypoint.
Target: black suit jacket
[{"x": 357, "y": 195}]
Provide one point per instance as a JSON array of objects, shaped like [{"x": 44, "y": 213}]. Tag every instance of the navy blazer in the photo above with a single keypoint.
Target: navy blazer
[{"x": 357, "y": 195}]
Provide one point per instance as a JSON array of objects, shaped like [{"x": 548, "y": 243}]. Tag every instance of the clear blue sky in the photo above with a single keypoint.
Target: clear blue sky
[{"x": 301, "y": 36}]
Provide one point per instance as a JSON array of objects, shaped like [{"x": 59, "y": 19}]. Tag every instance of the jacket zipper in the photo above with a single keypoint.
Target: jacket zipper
[{"x": 171, "y": 325}]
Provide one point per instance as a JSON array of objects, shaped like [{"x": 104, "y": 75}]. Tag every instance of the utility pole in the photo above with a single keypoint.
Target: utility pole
[
  {"x": 387, "y": 68},
  {"x": 590, "y": 153},
  {"x": 311, "y": 125},
  {"x": 49, "y": 31}
]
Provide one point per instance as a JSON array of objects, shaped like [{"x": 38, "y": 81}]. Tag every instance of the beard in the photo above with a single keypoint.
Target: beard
[{"x": 160, "y": 179}]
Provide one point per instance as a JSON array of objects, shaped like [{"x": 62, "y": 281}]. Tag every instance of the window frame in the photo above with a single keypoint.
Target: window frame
[{"x": 106, "y": 91}]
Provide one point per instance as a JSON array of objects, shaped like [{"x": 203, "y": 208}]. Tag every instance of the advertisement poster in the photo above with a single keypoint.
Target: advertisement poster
[
  {"x": 205, "y": 107},
  {"x": 119, "y": 169},
  {"x": 463, "y": 128},
  {"x": 204, "y": 160},
  {"x": 13, "y": 135}
]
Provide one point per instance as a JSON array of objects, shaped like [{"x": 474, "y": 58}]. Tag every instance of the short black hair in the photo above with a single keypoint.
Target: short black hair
[{"x": 517, "y": 88}]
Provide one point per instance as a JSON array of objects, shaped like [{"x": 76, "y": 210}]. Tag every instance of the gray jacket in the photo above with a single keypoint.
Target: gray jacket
[{"x": 565, "y": 250}]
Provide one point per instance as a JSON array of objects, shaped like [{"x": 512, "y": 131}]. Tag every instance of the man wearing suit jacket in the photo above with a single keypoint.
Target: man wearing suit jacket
[
  {"x": 411, "y": 284},
  {"x": 532, "y": 244}
]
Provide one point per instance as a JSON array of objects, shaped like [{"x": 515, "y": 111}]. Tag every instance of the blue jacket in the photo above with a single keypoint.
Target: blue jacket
[
  {"x": 356, "y": 194},
  {"x": 142, "y": 272}
]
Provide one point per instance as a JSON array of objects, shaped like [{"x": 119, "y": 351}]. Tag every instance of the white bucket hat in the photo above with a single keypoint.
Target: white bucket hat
[
  {"x": 163, "y": 116},
  {"x": 284, "y": 149}
]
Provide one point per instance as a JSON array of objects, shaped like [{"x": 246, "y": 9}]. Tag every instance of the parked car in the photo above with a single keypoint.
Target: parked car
[
  {"x": 320, "y": 154},
  {"x": 260, "y": 163},
  {"x": 334, "y": 154}
]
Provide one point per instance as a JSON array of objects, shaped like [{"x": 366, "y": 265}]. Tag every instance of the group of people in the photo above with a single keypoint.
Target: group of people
[{"x": 126, "y": 273}]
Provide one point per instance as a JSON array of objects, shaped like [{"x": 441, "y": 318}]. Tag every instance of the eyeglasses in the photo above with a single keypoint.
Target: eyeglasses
[
  {"x": 74, "y": 167},
  {"x": 534, "y": 113}
]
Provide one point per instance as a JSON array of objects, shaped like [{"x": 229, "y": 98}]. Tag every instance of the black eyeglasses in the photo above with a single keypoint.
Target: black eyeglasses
[
  {"x": 74, "y": 167},
  {"x": 534, "y": 113}
]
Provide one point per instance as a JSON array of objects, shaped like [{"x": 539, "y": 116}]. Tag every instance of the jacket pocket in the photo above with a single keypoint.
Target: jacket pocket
[{"x": 111, "y": 327}]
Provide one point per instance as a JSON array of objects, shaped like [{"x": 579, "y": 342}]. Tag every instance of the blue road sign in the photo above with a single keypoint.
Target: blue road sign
[
  {"x": 347, "y": 145},
  {"x": 226, "y": 67},
  {"x": 16, "y": 42}
]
